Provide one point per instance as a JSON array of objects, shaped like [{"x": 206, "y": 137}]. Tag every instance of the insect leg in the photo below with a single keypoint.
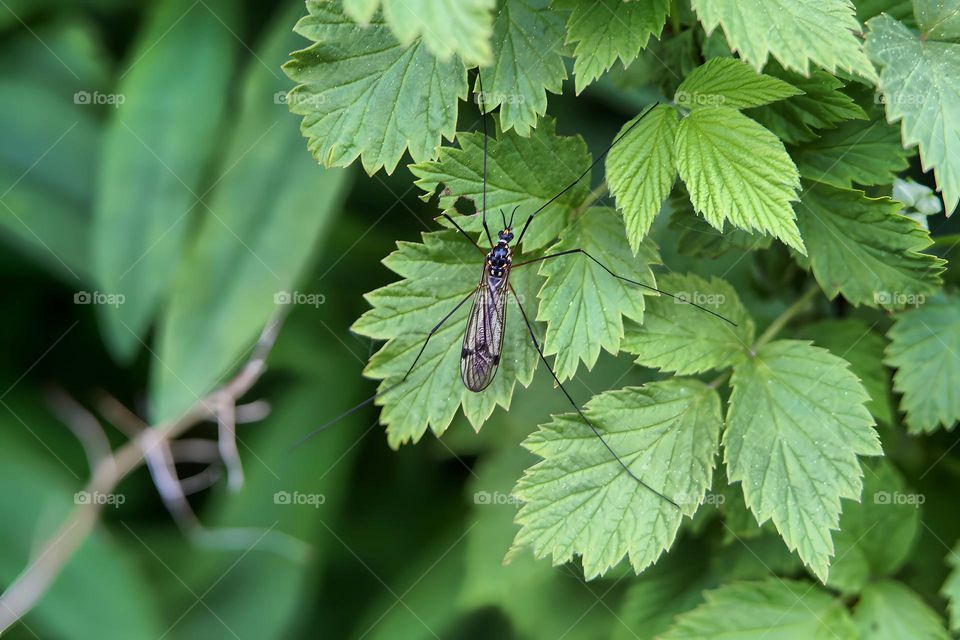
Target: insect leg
[
  {"x": 465, "y": 234},
  {"x": 585, "y": 173},
  {"x": 536, "y": 345},
  {"x": 483, "y": 119},
  {"x": 639, "y": 284},
  {"x": 346, "y": 413}
]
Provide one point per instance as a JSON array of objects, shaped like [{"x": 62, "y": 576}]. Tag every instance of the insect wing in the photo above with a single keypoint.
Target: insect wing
[{"x": 483, "y": 339}]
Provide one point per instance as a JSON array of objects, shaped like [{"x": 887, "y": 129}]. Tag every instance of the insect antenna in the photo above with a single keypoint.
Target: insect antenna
[{"x": 482, "y": 104}]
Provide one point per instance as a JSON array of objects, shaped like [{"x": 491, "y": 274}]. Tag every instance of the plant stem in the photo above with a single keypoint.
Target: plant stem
[
  {"x": 598, "y": 192},
  {"x": 781, "y": 321}
]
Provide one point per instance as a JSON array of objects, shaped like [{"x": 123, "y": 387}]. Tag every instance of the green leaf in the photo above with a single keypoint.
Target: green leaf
[
  {"x": 951, "y": 588},
  {"x": 447, "y": 27},
  {"x": 437, "y": 274},
  {"x": 731, "y": 83},
  {"x": 889, "y": 610},
  {"x": 681, "y": 338},
  {"x": 866, "y": 153},
  {"x": 924, "y": 348},
  {"x": 821, "y": 106},
  {"x": 582, "y": 304},
  {"x": 527, "y": 36},
  {"x": 579, "y": 501},
  {"x": 920, "y": 81},
  {"x": 698, "y": 239},
  {"x": 521, "y": 172},
  {"x": 861, "y": 247},
  {"x": 641, "y": 169},
  {"x": 795, "y": 426},
  {"x": 270, "y": 208},
  {"x": 877, "y": 534},
  {"x": 856, "y": 342},
  {"x": 46, "y": 176},
  {"x": 605, "y": 30},
  {"x": 668, "y": 588},
  {"x": 736, "y": 170},
  {"x": 155, "y": 151},
  {"x": 773, "y": 608},
  {"x": 539, "y": 601},
  {"x": 362, "y": 93},
  {"x": 938, "y": 19},
  {"x": 794, "y": 32}
]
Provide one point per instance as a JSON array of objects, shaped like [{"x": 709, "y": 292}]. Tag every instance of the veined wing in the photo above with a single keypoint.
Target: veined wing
[{"x": 483, "y": 339}]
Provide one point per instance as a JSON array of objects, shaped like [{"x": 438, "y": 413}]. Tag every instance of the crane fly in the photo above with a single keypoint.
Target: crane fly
[{"x": 482, "y": 346}]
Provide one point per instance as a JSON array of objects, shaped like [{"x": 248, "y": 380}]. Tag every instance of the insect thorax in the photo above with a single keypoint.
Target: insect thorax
[{"x": 498, "y": 260}]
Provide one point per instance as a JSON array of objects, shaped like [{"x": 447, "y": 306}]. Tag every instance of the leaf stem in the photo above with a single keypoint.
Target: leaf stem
[
  {"x": 781, "y": 321},
  {"x": 598, "y": 192}
]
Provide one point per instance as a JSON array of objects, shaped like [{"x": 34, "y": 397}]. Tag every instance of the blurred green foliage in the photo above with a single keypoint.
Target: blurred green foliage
[{"x": 158, "y": 200}]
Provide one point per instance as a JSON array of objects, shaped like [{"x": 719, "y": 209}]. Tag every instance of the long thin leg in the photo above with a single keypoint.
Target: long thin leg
[
  {"x": 483, "y": 118},
  {"x": 585, "y": 173},
  {"x": 465, "y": 234},
  {"x": 536, "y": 344},
  {"x": 346, "y": 413},
  {"x": 639, "y": 284}
]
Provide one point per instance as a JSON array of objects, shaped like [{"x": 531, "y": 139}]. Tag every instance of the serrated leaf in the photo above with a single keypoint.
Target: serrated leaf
[
  {"x": 861, "y": 247},
  {"x": 521, "y": 172},
  {"x": 447, "y": 27},
  {"x": 437, "y": 274},
  {"x": 865, "y": 153},
  {"x": 796, "y": 424},
  {"x": 889, "y": 610},
  {"x": 679, "y": 337},
  {"x": 774, "y": 608},
  {"x": 924, "y": 348},
  {"x": 698, "y": 239},
  {"x": 920, "y": 80},
  {"x": 731, "y": 83},
  {"x": 938, "y": 19},
  {"x": 582, "y": 304},
  {"x": 527, "y": 37},
  {"x": 362, "y": 93},
  {"x": 951, "y": 588},
  {"x": 579, "y": 501},
  {"x": 821, "y": 106},
  {"x": 641, "y": 169},
  {"x": 856, "y": 342},
  {"x": 736, "y": 170},
  {"x": 605, "y": 30},
  {"x": 876, "y": 535},
  {"x": 794, "y": 32}
]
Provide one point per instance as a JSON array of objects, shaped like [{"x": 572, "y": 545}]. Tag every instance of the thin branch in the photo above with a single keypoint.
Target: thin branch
[{"x": 21, "y": 596}]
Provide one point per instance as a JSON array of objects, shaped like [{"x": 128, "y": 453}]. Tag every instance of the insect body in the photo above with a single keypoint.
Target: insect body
[{"x": 483, "y": 338}]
